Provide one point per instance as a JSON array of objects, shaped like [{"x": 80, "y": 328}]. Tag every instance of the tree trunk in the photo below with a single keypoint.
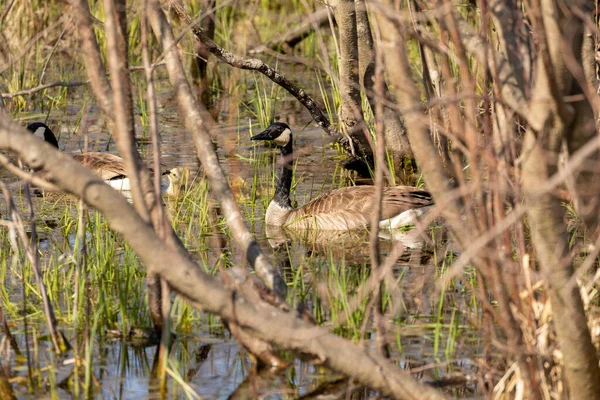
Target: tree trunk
[
  {"x": 351, "y": 115},
  {"x": 546, "y": 215},
  {"x": 395, "y": 133}
]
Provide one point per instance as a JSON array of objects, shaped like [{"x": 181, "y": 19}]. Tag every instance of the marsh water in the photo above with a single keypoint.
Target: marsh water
[{"x": 434, "y": 328}]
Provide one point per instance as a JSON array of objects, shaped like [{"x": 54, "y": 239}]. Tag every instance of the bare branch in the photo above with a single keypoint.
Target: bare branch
[
  {"x": 39, "y": 88},
  {"x": 91, "y": 55},
  {"x": 257, "y": 65},
  {"x": 194, "y": 122},
  {"x": 187, "y": 279}
]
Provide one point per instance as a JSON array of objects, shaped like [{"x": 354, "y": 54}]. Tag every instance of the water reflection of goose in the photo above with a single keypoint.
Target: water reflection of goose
[
  {"x": 107, "y": 166},
  {"x": 340, "y": 209},
  {"x": 352, "y": 246}
]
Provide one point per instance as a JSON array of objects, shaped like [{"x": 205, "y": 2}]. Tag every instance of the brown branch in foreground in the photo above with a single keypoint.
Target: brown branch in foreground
[
  {"x": 513, "y": 94},
  {"x": 147, "y": 204},
  {"x": 380, "y": 126},
  {"x": 193, "y": 120},
  {"x": 184, "y": 276},
  {"x": 115, "y": 29},
  {"x": 257, "y": 65},
  {"x": 395, "y": 133},
  {"x": 550, "y": 239},
  {"x": 408, "y": 96}
]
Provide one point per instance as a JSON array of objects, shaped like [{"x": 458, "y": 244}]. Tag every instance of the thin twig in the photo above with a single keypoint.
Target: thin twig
[
  {"x": 257, "y": 65},
  {"x": 39, "y": 88},
  {"x": 32, "y": 254},
  {"x": 27, "y": 177}
]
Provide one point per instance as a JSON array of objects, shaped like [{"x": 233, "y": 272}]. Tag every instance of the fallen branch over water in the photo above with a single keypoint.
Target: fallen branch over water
[{"x": 271, "y": 324}]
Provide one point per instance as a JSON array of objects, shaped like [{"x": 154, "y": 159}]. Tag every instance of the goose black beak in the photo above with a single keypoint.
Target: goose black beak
[{"x": 268, "y": 134}]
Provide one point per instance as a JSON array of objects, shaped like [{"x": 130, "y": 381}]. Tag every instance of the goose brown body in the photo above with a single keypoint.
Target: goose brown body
[
  {"x": 340, "y": 209},
  {"x": 349, "y": 208},
  {"x": 109, "y": 167}
]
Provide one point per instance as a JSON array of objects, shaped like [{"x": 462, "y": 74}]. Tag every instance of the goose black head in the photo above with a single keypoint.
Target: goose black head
[
  {"x": 41, "y": 130},
  {"x": 278, "y": 132}
]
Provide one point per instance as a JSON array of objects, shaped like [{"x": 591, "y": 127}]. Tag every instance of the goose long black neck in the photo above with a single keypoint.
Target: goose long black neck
[{"x": 284, "y": 184}]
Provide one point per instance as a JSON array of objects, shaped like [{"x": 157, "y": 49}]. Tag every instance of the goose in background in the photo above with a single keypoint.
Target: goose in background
[
  {"x": 340, "y": 209},
  {"x": 179, "y": 178},
  {"x": 108, "y": 167}
]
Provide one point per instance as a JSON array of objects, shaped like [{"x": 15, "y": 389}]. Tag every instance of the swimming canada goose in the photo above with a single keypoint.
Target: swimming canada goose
[
  {"x": 107, "y": 166},
  {"x": 340, "y": 209}
]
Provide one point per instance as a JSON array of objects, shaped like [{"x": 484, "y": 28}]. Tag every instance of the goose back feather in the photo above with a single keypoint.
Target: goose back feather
[
  {"x": 109, "y": 167},
  {"x": 353, "y": 207}
]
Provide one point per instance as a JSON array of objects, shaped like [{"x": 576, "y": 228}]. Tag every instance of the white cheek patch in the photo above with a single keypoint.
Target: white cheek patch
[
  {"x": 284, "y": 138},
  {"x": 39, "y": 132}
]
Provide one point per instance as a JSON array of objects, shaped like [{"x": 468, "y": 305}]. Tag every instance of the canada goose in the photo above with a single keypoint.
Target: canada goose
[
  {"x": 340, "y": 209},
  {"x": 107, "y": 166}
]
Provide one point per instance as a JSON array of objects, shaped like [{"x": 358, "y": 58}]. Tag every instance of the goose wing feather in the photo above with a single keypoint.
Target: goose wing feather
[
  {"x": 107, "y": 166},
  {"x": 352, "y": 207}
]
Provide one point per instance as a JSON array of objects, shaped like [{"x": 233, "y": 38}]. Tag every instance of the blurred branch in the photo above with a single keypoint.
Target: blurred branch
[
  {"x": 459, "y": 218},
  {"x": 91, "y": 55},
  {"x": 556, "y": 29},
  {"x": 408, "y": 97},
  {"x": 512, "y": 40},
  {"x": 32, "y": 42},
  {"x": 194, "y": 123},
  {"x": 27, "y": 177},
  {"x": 380, "y": 166},
  {"x": 45, "y": 86},
  {"x": 513, "y": 93},
  {"x": 122, "y": 112},
  {"x": 184, "y": 276}
]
